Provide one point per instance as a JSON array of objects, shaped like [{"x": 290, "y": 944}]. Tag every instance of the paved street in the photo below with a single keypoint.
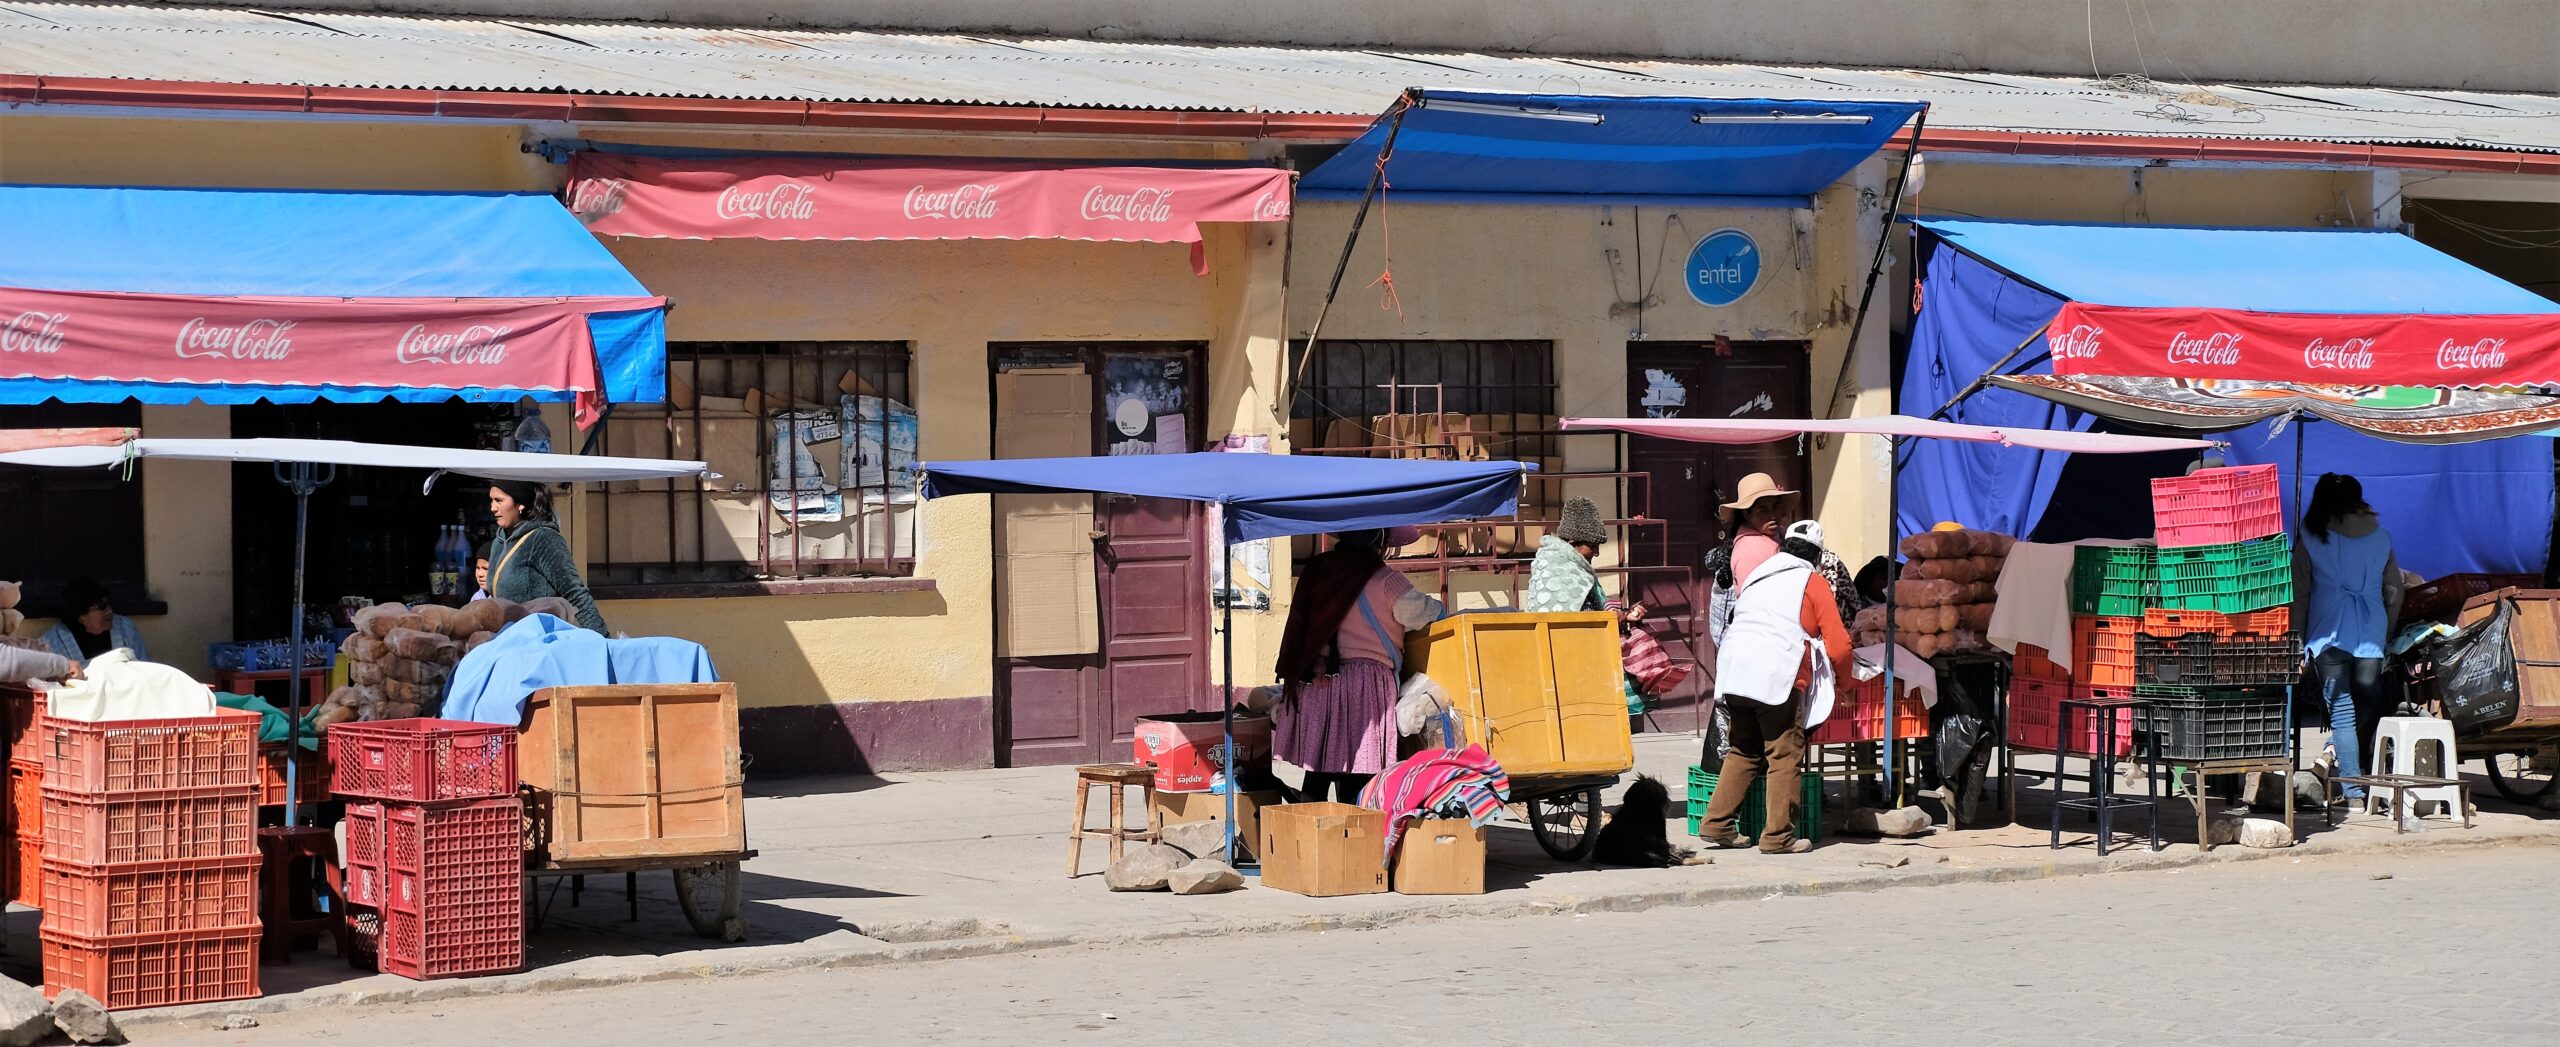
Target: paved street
[{"x": 2403, "y": 949}]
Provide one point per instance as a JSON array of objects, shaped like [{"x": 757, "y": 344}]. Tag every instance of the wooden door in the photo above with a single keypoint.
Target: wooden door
[{"x": 1689, "y": 481}]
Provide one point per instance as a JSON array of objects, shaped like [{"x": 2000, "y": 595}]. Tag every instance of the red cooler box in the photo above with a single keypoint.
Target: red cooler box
[{"x": 1184, "y": 748}]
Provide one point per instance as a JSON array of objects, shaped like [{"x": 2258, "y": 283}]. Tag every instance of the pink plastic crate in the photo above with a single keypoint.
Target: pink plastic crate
[{"x": 2217, "y": 506}]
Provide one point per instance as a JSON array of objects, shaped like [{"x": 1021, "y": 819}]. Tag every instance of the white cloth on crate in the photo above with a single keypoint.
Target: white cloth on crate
[
  {"x": 2034, "y": 607},
  {"x": 1910, "y": 671},
  {"x": 1766, "y": 644},
  {"x": 117, "y": 686}
]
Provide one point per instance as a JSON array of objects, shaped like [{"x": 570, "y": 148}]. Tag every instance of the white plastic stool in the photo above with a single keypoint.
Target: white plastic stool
[{"x": 2419, "y": 745}]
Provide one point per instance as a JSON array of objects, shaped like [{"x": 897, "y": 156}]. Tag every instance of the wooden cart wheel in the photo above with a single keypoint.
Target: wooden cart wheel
[
  {"x": 2523, "y": 777},
  {"x": 709, "y": 896},
  {"x": 1567, "y": 826}
]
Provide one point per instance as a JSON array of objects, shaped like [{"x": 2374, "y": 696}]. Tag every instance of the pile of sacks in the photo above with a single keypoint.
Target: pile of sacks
[
  {"x": 399, "y": 657},
  {"x": 1943, "y": 601}
]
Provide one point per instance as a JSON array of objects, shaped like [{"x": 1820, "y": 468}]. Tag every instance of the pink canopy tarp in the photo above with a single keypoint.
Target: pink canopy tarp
[
  {"x": 1767, "y": 430},
  {"x": 798, "y": 198}
]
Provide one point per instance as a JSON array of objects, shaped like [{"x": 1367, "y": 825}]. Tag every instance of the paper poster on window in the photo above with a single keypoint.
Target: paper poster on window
[
  {"x": 882, "y": 451},
  {"x": 1145, "y": 399},
  {"x": 796, "y": 484},
  {"x": 1664, "y": 396},
  {"x": 1250, "y": 559}
]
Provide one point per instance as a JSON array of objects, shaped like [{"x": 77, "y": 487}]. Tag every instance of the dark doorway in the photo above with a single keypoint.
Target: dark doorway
[
  {"x": 1689, "y": 480},
  {"x": 1150, "y": 568}
]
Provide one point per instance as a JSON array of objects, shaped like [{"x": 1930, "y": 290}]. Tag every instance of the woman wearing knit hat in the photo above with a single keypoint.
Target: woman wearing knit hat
[{"x": 1562, "y": 578}]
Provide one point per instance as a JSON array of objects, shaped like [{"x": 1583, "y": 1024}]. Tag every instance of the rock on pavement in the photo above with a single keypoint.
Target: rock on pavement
[
  {"x": 1901, "y": 821},
  {"x": 1205, "y": 876},
  {"x": 1144, "y": 869},
  {"x": 1204, "y": 840},
  {"x": 25, "y": 1017},
  {"x": 82, "y": 1018}
]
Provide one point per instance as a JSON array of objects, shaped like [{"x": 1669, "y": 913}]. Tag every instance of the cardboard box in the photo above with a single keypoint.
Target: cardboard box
[
  {"x": 1323, "y": 850},
  {"x": 1046, "y": 602},
  {"x": 1440, "y": 856},
  {"x": 1186, "y": 808}
]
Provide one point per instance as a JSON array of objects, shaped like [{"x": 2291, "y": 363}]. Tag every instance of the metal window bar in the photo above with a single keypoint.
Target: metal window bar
[{"x": 847, "y": 385}]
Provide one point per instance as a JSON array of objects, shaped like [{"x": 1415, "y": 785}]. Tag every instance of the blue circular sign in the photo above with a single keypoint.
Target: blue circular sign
[{"x": 1723, "y": 267}]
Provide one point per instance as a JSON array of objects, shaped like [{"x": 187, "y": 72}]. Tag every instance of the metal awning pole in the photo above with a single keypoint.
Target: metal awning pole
[
  {"x": 1984, "y": 378},
  {"x": 301, "y": 478},
  {"x": 1227, "y": 691},
  {"x": 1341, "y": 265},
  {"x": 1892, "y": 644},
  {"x": 1875, "y": 262}
]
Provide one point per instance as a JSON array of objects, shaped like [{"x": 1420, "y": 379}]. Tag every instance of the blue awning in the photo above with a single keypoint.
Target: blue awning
[
  {"x": 2262, "y": 270},
  {"x": 1488, "y": 147},
  {"x": 1265, "y": 495},
  {"x": 322, "y": 244}
]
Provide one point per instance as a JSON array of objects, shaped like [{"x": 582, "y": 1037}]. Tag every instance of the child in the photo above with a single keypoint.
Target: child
[{"x": 480, "y": 576}]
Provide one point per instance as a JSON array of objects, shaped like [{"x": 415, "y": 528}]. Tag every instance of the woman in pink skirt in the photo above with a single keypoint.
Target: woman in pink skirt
[{"x": 1341, "y": 663}]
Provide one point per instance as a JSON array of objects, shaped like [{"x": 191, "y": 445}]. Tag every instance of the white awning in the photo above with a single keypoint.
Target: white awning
[{"x": 494, "y": 465}]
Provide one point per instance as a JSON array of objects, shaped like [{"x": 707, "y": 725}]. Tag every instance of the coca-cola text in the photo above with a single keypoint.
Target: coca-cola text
[
  {"x": 977, "y": 200},
  {"x": 1136, "y": 205},
  {"x": 1271, "y": 207},
  {"x": 597, "y": 197},
  {"x": 790, "y": 201},
  {"x": 2078, "y": 343},
  {"x": 253, "y": 340},
  {"x": 476, "y": 344},
  {"x": 2486, "y": 354},
  {"x": 2352, "y": 354},
  {"x": 33, "y": 332},
  {"x": 2219, "y": 349}
]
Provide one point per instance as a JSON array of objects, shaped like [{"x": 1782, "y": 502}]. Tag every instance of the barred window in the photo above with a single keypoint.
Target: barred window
[
  {"x": 1463, "y": 399},
  {"x": 814, "y": 447}
]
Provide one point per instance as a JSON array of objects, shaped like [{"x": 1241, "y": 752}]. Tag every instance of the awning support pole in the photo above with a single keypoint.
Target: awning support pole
[
  {"x": 1984, "y": 378},
  {"x": 301, "y": 478},
  {"x": 1892, "y": 644},
  {"x": 1377, "y": 180},
  {"x": 1227, "y": 691},
  {"x": 1875, "y": 262}
]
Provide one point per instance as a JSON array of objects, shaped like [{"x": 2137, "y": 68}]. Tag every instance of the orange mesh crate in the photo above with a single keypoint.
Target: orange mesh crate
[
  {"x": 154, "y": 970},
  {"x": 121, "y": 756},
  {"x": 2102, "y": 650},
  {"x": 26, "y": 871},
  {"x": 26, "y": 798},
  {"x": 2169, "y": 623},
  {"x": 150, "y": 897},
  {"x": 154, "y": 827},
  {"x": 1857, "y": 715},
  {"x": 22, "y": 707},
  {"x": 314, "y": 776},
  {"x": 2033, "y": 663}
]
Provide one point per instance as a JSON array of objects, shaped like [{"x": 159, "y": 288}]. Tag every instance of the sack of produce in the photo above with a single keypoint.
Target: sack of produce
[
  {"x": 378, "y": 620},
  {"x": 416, "y": 644}
]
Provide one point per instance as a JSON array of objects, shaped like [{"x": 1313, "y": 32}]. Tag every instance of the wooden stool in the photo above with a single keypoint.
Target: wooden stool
[
  {"x": 296, "y": 866},
  {"x": 1117, "y": 777}
]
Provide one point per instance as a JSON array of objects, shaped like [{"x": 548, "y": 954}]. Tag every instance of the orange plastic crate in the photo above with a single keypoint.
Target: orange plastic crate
[
  {"x": 151, "y": 827},
  {"x": 2168, "y": 623},
  {"x": 26, "y": 872},
  {"x": 1857, "y": 715},
  {"x": 154, "y": 970},
  {"x": 314, "y": 776},
  {"x": 2102, "y": 650},
  {"x": 121, "y": 756},
  {"x": 2033, "y": 663},
  {"x": 22, "y": 707},
  {"x": 150, "y": 897},
  {"x": 26, "y": 798}
]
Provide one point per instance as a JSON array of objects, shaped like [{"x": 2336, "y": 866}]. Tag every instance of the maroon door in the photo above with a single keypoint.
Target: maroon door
[
  {"x": 1151, "y": 574},
  {"x": 1690, "y": 480}
]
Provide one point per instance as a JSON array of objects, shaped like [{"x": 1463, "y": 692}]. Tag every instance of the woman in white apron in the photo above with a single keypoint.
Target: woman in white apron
[{"x": 1774, "y": 672}]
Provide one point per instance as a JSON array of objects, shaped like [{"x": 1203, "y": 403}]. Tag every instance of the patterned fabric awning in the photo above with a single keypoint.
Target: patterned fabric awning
[{"x": 2407, "y": 414}]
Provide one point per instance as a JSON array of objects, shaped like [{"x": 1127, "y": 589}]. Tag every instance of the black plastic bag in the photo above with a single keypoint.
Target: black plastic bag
[{"x": 2476, "y": 675}]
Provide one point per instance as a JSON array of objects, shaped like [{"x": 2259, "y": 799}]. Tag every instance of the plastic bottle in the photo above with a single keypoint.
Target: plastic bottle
[{"x": 531, "y": 436}]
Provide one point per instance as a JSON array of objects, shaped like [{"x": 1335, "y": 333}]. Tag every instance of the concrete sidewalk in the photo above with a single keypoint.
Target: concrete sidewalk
[{"x": 886, "y": 869}]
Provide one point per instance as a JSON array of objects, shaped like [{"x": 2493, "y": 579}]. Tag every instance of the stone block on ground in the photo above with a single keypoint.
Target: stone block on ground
[
  {"x": 1203, "y": 840},
  {"x": 1204, "y": 876},
  {"x": 1901, "y": 821},
  {"x": 82, "y": 1018},
  {"x": 26, "y": 1018},
  {"x": 1144, "y": 869},
  {"x": 2264, "y": 834}
]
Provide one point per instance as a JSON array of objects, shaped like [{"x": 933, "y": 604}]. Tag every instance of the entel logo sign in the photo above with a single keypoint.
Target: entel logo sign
[{"x": 1724, "y": 266}]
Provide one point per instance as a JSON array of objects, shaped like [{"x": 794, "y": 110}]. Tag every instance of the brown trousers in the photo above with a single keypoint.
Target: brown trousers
[{"x": 1767, "y": 740}]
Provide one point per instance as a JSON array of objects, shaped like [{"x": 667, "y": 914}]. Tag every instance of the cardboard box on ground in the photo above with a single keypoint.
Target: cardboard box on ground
[
  {"x": 1323, "y": 850},
  {"x": 1440, "y": 856},
  {"x": 1186, "y": 808}
]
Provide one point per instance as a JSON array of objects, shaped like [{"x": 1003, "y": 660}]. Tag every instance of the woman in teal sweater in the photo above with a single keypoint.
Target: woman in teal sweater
[{"x": 530, "y": 559}]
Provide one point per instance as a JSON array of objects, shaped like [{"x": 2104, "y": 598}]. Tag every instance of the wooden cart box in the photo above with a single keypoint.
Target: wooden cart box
[
  {"x": 2534, "y": 637},
  {"x": 634, "y": 772},
  {"x": 1541, "y": 692}
]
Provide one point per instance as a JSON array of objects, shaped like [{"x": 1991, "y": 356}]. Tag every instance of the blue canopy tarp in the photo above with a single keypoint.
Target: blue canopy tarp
[
  {"x": 1483, "y": 147},
  {"x": 1264, "y": 495},
  {"x": 1976, "y": 309},
  {"x": 321, "y": 244}
]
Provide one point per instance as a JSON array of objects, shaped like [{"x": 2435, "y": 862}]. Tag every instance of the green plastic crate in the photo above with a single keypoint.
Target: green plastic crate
[
  {"x": 1754, "y": 815},
  {"x": 2233, "y": 579},
  {"x": 2115, "y": 581}
]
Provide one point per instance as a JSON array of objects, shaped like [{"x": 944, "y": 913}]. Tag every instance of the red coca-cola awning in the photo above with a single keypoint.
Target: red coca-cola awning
[
  {"x": 2520, "y": 349},
  {"x": 794, "y": 198}
]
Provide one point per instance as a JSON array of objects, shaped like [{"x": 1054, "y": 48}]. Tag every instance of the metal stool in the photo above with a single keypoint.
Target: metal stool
[
  {"x": 2101, "y": 803},
  {"x": 1117, "y": 777},
  {"x": 2401, "y": 785}
]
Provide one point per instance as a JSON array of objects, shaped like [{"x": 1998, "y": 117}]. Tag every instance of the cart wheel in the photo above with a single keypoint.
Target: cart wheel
[
  {"x": 709, "y": 896},
  {"x": 2522, "y": 777},
  {"x": 1567, "y": 826}
]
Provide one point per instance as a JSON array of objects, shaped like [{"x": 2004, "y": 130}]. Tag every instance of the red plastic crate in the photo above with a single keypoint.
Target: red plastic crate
[
  {"x": 2102, "y": 650},
  {"x": 153, "y": 827},
  {"x": 2033, "y": 662},
  {"x": 122, "y": 756},
  {"x": 364, "y": 938},
  {"x": 1857, "y": 715},
  {"x": 154, "y": 970},
  {"x": 423, "y": 761},
  {"x": 23, "y": 707},
  {"x": 314, "y": 777},
  {"x": 2167, "y": 623},
  {"x": 2217, "y": 506},
  {"x": 26, "y": 872},
  {"x": 451, "y": 886},
  {"x": 2035, "y": 718},
  {"x": 150, "y": 897}
]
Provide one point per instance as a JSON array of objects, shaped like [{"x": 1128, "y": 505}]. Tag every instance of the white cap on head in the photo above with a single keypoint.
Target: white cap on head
[{"x": 1809, "y": 530}]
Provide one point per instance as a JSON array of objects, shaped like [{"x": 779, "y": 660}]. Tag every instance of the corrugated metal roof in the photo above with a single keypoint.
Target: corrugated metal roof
[{"x": 322, "y": 49}]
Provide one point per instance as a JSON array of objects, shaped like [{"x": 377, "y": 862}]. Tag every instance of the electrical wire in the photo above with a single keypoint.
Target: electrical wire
[{"x": 2512, "y": 239}]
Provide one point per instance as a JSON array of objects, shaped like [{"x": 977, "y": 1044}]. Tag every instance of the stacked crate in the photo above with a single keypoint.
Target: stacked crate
[
  {"x": 149, "y": 869},
  {"x": 435, "y": 846},
  {"x": 22, "y": 842},
  {"x": 2110, "y": 586},
  {"x": 2217, "y": 643}
]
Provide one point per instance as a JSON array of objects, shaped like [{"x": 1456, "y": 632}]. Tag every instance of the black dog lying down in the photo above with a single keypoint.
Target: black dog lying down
[{"x": 1638, "y": 833}]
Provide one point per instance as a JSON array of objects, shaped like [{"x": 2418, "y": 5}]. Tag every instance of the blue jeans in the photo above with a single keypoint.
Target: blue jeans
[{"x": 2349, "y": 685}]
